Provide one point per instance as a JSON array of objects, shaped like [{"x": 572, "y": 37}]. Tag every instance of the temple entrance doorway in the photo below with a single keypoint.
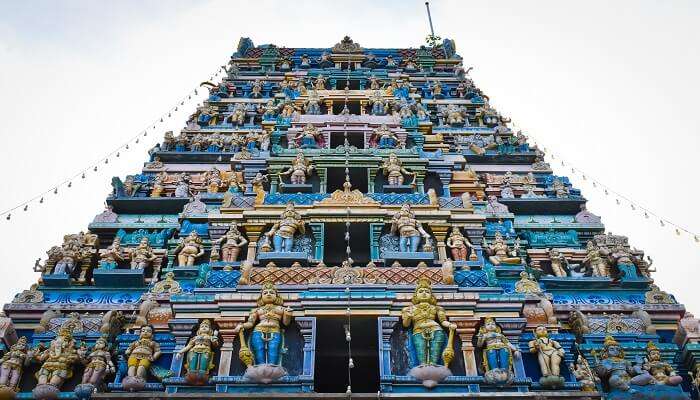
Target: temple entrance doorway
[{"x": 331, "y": 369}]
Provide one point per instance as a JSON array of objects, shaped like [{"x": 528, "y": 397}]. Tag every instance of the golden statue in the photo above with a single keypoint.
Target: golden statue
[
  {"x": 231, "y": 243},
  {"x": 189, "y": 249},
  {"x": 200, "y": 354},
  {"x": 300, "y": 169},
  {"x": 499, "y": 253},
  {"x": 141, "y": 353},
  {"x": 394, "y": 171},
  {"x": 142, "y": 256},
  {"x": 57, "y": 360}
]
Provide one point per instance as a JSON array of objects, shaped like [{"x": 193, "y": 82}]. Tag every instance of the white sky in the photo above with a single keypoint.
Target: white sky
[{"x": 609, "y": 86}]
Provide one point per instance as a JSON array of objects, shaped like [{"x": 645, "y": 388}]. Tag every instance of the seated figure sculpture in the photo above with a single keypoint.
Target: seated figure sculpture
[
  {"x": 406, "y": 226},
  {"x": 300, "y": 169},
  {"x": 499, "y": 252},
  {"x": 112, "y": 255},
  {"x": 266, "y": 341},
  {"x": 427, "y": 322},
  {"x": 189, "y": 249},
  {"x": 142, "y": 255},
  {"x": 394, "y": 171},
  {"x": 200, "y": 354},
  {"x": 384, "y": 138},
  {"x": 497, "y": 353},
  {"x": 282, "y": 232},
  {"x": 657, "y": 371},
  {"x": 57, "y": 362},
  {"x": 309, "y": 138}
]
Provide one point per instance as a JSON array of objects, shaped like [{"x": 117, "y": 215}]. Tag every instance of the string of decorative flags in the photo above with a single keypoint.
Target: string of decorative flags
[
  {"x": 620, "y": 198},
  {"x": 183, "y": 103}
]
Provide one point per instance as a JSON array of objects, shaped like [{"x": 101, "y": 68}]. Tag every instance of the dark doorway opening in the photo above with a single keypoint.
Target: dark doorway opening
[
  {"x": 334, "y": 243},
  {"x": 331, "y": 374},
  {"x": 336, "y": 179},
  {"x": 356, "y": 139}
]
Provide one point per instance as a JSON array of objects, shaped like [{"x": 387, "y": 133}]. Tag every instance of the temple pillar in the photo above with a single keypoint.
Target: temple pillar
[
  {"x": 375, "y": 231},
  {"x": 466, "y": 328},
  {"x": 440, "y": 233},
  {"x": 182, "y": 329},
  {"x": 371, "y": 177},
  {"x": 329, "y": 106},
  {"x": 227, "y": 339},
  {"x": 253, "y": 232},
  {"x": 363, "y": 105},
  {"x": 317, "y": 229}
]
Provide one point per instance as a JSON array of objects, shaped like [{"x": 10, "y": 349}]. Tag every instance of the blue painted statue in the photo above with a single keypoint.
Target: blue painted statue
[
  {"x": 497, "y": 352},
  {"x": 282, "y": 232},
  {"x": 409, "y": 230}
]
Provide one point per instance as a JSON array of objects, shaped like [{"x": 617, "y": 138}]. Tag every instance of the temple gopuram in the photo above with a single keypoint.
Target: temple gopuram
[{"x": 346, "y": 222}]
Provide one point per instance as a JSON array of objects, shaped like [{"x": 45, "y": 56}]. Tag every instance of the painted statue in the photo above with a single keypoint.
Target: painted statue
[
  {"x": 409, "y": 229},
  {"x": 428, "y": 322},
  {"x": 300, "y": 169},
  {"x": 182, "y": 187},
  {"x": 584, "y": 374},
  {"x": 595, "y": 261},
  {"x": 659, "y": 372},
  {"x": 282, "y": 232},
  {"x": 312, "y": 104},
  {"x": 394, "y": 171},
  {"x": 12, "y": 363},
  {"x": 112, "y": 255},
  {"x": 189, "y": 249},
  {"x": 98, "y": 362},
  {"x": 267, "y": 322},
  {"x": 200, "y": 354},
  {"x": 497, "y": 352},
  {"x": 159, "y": 184},
  {"x": 213, "y": 180},
  {"x": 612, "y": 368},
  {"x": 258, "y": 185},
  {"x": 57, "y": 362},
  {"x": 549, "y": 356},
  {"x": 142, "y": 255},
  {"x": 309, "y": 138},
  {"x": 558, "y": 263},
  {"x": 384, "y": 138},
  {"x": 500, "y": 253},
  {"x": 459, "y": 245},
  {"x": 231, "y": 243},
  {"x": 140, "y": 354}
]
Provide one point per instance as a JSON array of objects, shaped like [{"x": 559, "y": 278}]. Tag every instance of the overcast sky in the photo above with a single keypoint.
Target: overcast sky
[{"x": 609, "y": 86}]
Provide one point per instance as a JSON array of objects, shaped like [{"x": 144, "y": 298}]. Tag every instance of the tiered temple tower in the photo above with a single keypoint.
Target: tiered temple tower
[{"x": 356, "y": 200}]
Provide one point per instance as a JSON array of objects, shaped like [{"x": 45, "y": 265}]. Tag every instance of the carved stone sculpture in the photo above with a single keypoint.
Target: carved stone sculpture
[
  {"x": 200, "y": 354},
  {"x": 189, "y": 249},
  {"x": 549, "y": 356},
  {"x": 141, "y": 353},
  {"x": 282, "y": 232},
  {"x": 409, "y": 230},
  {"x": 497, "y": 353},
  {"x": 231, "y": 243}
]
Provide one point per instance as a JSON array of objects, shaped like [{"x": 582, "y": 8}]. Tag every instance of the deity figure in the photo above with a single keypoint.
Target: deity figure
[
  {"x": 168, "y": 141},
  {"x": 258, "y": 184},
  {"x": 659, "y": 371},
  {"x": 299, "y": 170},
  {"x": 305, "y": 61},
  {"x": 207, "y": 116},
  {"x": 379, "y": 106},
  {"x": 613, "y": 369},
  {"x": 282, "y": 232},
  {"x": 182, "y": 187},
  {"x": 390, "y": 63},
  {"x": 182, "y": 141},
  {"x": 384, "y": 138},
  {"x": 142, "y": 255},
  {"x": 374, "y": 83},
  {"x": 267, "y": 321},
  {"x": 312, "y": 104},
  {"x": 213, "y": 179},
  {"x": 159, "y": 184},
  {"x": 454, "y": 114},
  {"x": 12, "y": 363},
  {"x": 98, "y": 363},
  {"x": 459, "y": 245},
  {"x": 560, "y": 189},
  {"x": 235, "y": 114},
  {"x": 231, "y": 243},
  {"x": 500, "y": 253},
  {"x": 200, "y": 354},
  {"x": 320, "y": 83},
  {"x": 270, "y": 111},
  {"x": 409, "y": 230},
  {"x": 596, "y": 260},
  {"x": 309, "y": 138},
  {"x": 584, "y": 374},
  {"x": 189, "y": 249},
  {"x": 549, "y": 356},
  {"x": 112, "y": 255},
  {"x": 251, "y": 140},
  {"x": 57, "y": 360},
  {"x": 394, "y": 171},
  {"x": 427, "y": 320},
  {"x": 497, "y": 352},
  {"x": 198, "y": 143},
  {"x": 141, "y": 353},
  {"x": 558, "y": 262},
  {"x": 256, "y": 89},
  {"x": 436, "y": 90},
  {"x": 215, "y": 142},
  {"x": 493, "y": 206}
]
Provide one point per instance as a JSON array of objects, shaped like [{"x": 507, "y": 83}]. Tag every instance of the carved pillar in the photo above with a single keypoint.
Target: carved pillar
[
  {"x": 371, "y": 176},
  {"x": 182, "y": 329},
  {"x": 385, "y": 325},
  {"x": 420, "y": 179},
  {"x": 466, "y": 329},
  {"x": 322, "y": 180},
  {"x": 375, "y": 231},
  {"x": 445, "y": 178},
  {"x": 227, "y": 339},
  {"x": 307, "y": 326},
  {"x": 253, "y": 232},
  {"x": 317, "y": 229},
  {"x": 512, "y": 329},
  {"x": 440, "y": 233}
]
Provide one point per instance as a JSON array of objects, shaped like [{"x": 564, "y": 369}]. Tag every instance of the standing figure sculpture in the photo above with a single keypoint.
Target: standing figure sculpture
[
  {"x": 141, "y": 353},
  {"x": 267, "y": 339},
  {"x": 189, "y": 249},
  {"x": 11, "y": 365},
  {"x": 394, "y": 171},
  {"x": 549, "y": 356},
  {"x": 258, "y": 185},
  {"x": 432, "y": 348},
  {"x": 309, "y": 138},
  {"x": 497, "y": 352},
  {"x": 384, "y": 138},
  {"x": 142, "y": 256},
  {"x": 231, "y": 243},
  {"x": 282, "y": 232},
  {"x": 558, "y": 262},
  {"x": 213, "y": 180},
  {"x": 182, "y": 187},
  {"x": 98, "y": 363},
  {"x": 459, "y": 245},
  {"x": 56, "y": 364},
  {"x": 112, "y": 255},
  {"x": 200, "y": 354},
  {"x": 300, "y": 169},
  {"x": 596, "y": 261},
  {"x": 500, "y": 253},
  {"x": 406, "y": 226}
]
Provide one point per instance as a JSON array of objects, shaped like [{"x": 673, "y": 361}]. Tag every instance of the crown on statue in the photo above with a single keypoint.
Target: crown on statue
[
  {"x": 652, "y": 346},
  {"x": 610, "y": 341},
  {"x": 423, "y": 283},
  {"x": 269, "y": 285}
]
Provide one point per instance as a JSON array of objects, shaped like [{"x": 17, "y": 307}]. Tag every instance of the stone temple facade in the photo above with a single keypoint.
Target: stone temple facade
[{"x": 346, "y": 221}]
